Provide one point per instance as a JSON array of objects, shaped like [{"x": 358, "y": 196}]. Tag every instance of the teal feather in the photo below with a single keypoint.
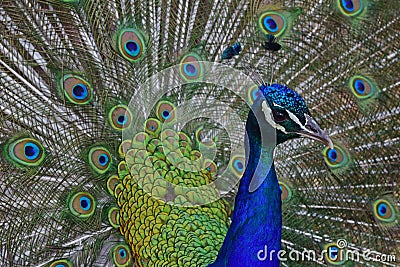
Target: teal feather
[{"x": 68, "y": 150}]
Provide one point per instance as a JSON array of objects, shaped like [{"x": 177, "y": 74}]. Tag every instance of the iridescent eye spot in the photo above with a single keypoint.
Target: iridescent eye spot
[
  {"x": 113, "y": 217},
  {"x": 210, "y": 165},
  {"x": 124, "y": 147},
  {"x": 76, "y": 89},
  {"x": 332, "y": 155},
  {"x": 61, "y": 263},
  {"x": 165, "y": 111},
  {"x": 359, "y": 86},
  {"x": 121, "y": 255},
  {"x": 140, "y": 140},
  {"x": 286, "y": 192},
  {"x": 112, "y": 183},
  {"x": 79, "y": 91},
  {"x": 122, "y": 167},
  {"x": 31, "y": 150},
  {"x": 384, "y": 211},
  {"x": 253, "y": 94},
  {"x": 120, "y": 117},
  {"x": 85, "y": 203},
  {"x": 103, "y": 159},
  {"x": 191, "y": 67},
  {"x": 183, "y": 137},
  {"x": 348, "y": 5},
  {"x": 165, "y": 114},
  {"x": 152, "y": 126},
  {"x": 237, "y": 165},
  {"x": 131, "y": 44},
  {"x": 99, "y": 159},
  {"x": 351, "y": 7},
  {"x": 26, "y": 151},
  {"x": 132, "y": 48},
  {"x": 362, "y": 87},
  {"x": 334, "y": 255},
  {"x": 202, "y": 138},
  {"x": 272, "y": 23},
  {"x": 195, "y": 155},
  {"x": 190, "y": 70},
  {"x": 336, "y": 157},
  {"x": 82, "y": 204}
]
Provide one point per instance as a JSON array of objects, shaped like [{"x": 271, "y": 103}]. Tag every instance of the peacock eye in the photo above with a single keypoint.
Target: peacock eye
[{"x": 280, "y": 116}]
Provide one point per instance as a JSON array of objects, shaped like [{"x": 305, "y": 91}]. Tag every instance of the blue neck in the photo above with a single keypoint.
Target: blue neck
[{"x": 257, "y": 217}]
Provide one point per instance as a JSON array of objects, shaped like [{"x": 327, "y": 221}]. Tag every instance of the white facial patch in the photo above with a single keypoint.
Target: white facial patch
[
  {"x": 269, "y": 117},
  {"x": 297, "y": 121}
]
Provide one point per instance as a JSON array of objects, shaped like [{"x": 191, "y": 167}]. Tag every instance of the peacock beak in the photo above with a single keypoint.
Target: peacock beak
[{"x": 312, "y": 130}]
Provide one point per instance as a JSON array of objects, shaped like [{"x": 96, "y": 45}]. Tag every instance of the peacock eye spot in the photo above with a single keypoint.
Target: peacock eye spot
[
  {"x": 190, "y": 68},
  {"x": 271, "y": 23},
  {"x": 61, "y": 263},
  {"x": 351, "y": 7},
  {"x": 359, "y": 86},
  {"x": 122, "y": 253},
  {"x": 122, "y": 256},
  {"x": 280, "y": 116},
  {"x": 84, "y": 203},
  {"x": 240, "y": 165},
  {"x": 103, "y": 159},
  {"x": 122, "y": 119},
  {"x": 382, "y": 209},
  {"x": 332, "y": 154},
  {"x": 348, "y": 4},
  {"x": 31, "y": 150},
  {"x": 165, "y": 114},
  {"x": 132, "y": 46},
  {"x": 79, "y": 91}
]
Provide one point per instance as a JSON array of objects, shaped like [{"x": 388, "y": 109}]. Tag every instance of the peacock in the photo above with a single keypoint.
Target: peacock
[{"x": 199, "y": 133}]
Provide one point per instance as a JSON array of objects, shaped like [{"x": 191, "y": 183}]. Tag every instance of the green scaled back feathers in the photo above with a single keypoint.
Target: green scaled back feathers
[{"x": 91, "y": 174}]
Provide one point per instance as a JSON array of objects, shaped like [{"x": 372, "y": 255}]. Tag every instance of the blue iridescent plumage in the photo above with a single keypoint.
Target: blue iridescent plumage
[
  {"x": 257, "y": 218},
  {"x": 231, "y": 51},
  {"x": 285, "y": 97}
]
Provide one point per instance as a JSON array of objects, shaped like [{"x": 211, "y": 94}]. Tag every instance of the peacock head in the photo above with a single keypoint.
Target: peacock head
[{"x": 284, "y": 111}]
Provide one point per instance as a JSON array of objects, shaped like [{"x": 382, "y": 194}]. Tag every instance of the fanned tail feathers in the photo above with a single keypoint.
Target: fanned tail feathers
[{"x": 73, "y": 76}]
